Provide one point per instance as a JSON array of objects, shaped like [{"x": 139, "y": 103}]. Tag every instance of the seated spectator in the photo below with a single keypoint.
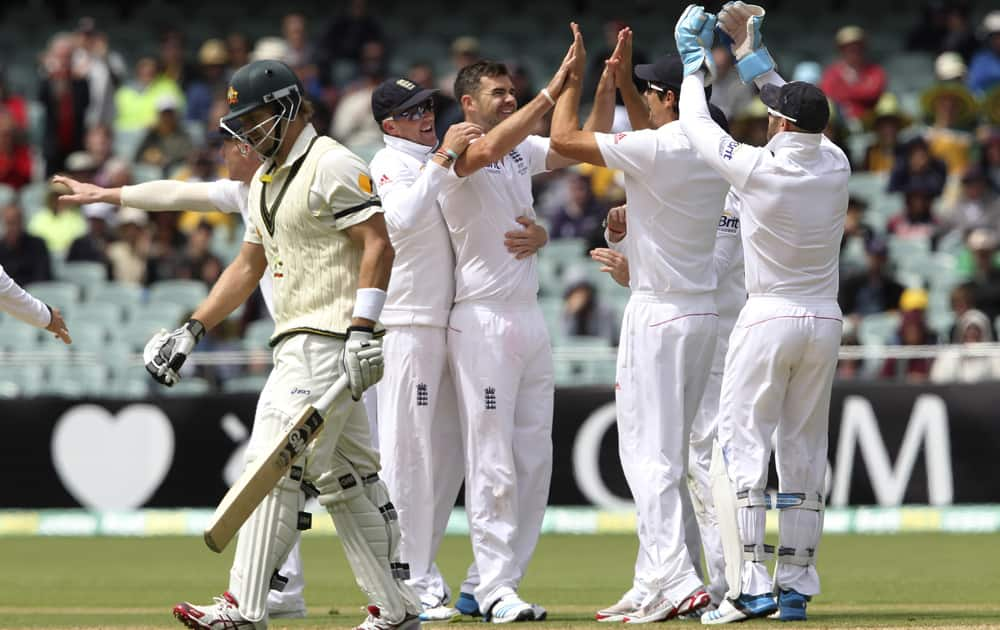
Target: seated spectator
[
  {"x": 583, "y": 314},
  {"x": 198, "y": 261},
  {"x": 353, "y": 124},
  {"x": 581, "y": 215},
  {"x": 853, "y": 81},
  {"x": 872, "y": 290},
  {"x": 301, "y": 56},
  {"x": 238, "y": 51},
  {"x": 210, "y": 81},
  {"x": 464, "y": 52},
  {"x": 93, "y": 246},
  {"x": 916, "y": 167},
  {"x": 167, "y": 144},
  {"x": 15, "y": 155},
  {"x": 345, "y": 36},
  {"x": 13, "y": 103},
  {"x": 886, "y": 121},
  {"x": 916, "y": 219},
  {"x": 136, "y": 101},
  {"x": 24, "y": 257},
  {"x": 854, "y": 223},
  {"x": 977, "y": 205},
  {"x": 950, "y": 109},
  {"x": 66, "y": 97},
  {"x": 130, "y": 253},
  {"x": 931, "y": 30},
  {"x": 983, "y": 244},
  {"x": 913, "y": 331},
  {"x": 57, "y": 225},
  {"x": 954, "y": 365},
  {"x": 984, "y": 69},
  {"x": 959, "y": 36}
]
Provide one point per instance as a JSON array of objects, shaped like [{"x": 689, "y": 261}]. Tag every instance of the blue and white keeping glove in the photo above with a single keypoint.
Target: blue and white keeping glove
[
  {"x": 165, "y": 353},
  {"x": 362, "y": 360},
  {"x": 694, "y": 34},
  {"x": 742, "y": 22}
]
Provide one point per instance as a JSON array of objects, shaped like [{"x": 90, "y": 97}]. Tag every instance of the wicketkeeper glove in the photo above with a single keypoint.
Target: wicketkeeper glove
[
  {"x": 362, "y": 360},
  {"x": 166, "y": 352},
  {"x": 742, "y": 22},
  {"x": 694, "y": 34}
]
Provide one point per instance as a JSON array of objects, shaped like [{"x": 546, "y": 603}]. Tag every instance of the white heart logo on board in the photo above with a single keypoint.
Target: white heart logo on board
[{"x": 112, "y": 462}]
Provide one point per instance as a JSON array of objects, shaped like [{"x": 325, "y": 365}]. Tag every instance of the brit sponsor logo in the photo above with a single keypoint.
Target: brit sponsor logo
[
  {"x": 729, "y": 224},
  {"x": 726, "y": 149}
]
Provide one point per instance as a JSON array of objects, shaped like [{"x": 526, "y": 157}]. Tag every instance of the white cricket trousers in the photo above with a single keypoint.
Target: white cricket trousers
[
  {"x": 501, "y": 361},
  {"x": 663, "y": 361},
  {"x": 779, "y": 372},
  {"x": 420, "y": 443}
]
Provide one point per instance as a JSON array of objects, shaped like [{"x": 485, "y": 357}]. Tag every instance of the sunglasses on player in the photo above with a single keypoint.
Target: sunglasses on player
[{"x": 416, "y": 112}]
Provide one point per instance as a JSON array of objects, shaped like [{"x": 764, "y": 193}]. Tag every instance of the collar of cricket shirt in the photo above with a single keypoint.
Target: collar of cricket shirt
[
  {"x": 299, "y": 148},
  {"x": 413, "y": 149},
  {"x": 794, "y": 141}
]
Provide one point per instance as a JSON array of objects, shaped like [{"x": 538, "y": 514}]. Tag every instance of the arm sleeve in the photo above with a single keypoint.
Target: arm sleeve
[
  {"x": 167, "y": 195},
  {"x": 537, "y": 150},
  {"x": 344, "y": 184},
  {"x": 407, "y": 201},
  {"x": 633, "y": 152},
  {"x": 21, "y": 304},
  {"x": 251, "y": 234},
  {"x": 731, "y": 159}
]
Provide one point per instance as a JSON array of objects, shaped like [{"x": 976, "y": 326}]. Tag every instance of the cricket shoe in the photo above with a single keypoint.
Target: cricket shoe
[
  {"x": 617, "y": 612},
  {"x": 791, "y": 605},
  {"x": 467, "y": 605},
  {"x": 224, "y": 614},
  {"x": 743, "y": 607},
  {"x": 659, "y": 607},
  {"x": 435, "y": 610},
  {"x": 511, "y": 608},
  {"x": 374, "y": 621},
  {"x": 539, "y": 612}
]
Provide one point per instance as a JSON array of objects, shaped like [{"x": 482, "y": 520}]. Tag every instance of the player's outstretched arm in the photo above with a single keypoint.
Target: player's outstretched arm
[
  {"x": 508, "y": 134},
  {"x": 568, "y": 140},
  {"x": 29, "y": 309},
  {"x": 156, "y": 196}
]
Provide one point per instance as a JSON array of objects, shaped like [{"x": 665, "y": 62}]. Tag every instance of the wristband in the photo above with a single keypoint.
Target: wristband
[
  {"x": 196, "y": 328},
  {"x": 548, "y": 96},
  {"x": 451, "y": 154},
  {"x": 444, "y": 156},
  {"x": 368, "y": 304}
]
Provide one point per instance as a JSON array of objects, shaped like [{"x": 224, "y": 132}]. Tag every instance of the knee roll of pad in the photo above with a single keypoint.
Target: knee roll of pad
[
  {"x": 800, "y": 501},
  {"x": 338, "y": 486}
]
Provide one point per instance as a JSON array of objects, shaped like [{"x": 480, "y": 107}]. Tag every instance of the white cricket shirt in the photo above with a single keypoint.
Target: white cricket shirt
[
  {"x": 478, "y": 210},
  {"x": 21, "y": 304},
  {"x": 422, "y": 285},
  {"x": 731, "y": 292},
  {"x": 793, "y": 195},
  {"x": 674, "y": 204}
]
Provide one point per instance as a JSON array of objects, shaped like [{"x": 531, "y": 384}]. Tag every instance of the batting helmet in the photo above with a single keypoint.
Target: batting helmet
[{"x": 264, "y": 83}]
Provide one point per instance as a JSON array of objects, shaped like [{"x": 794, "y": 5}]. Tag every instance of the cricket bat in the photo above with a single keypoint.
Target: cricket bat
[{"x": 263, "y": 475}]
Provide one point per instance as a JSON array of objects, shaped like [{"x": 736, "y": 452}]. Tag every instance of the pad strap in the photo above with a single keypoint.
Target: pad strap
[
  {"x": 800, "y": 501},
  {"x": 758, "y": 553},
  {"x": 755, "y": 64},
  {"x": 799, "y": 557},
  {"x": 753, "y": 498},
  {"x": 278, "y": 582}
]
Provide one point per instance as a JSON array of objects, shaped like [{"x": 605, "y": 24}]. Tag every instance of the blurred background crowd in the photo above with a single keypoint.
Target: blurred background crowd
[{"x": 118, "y": 93}]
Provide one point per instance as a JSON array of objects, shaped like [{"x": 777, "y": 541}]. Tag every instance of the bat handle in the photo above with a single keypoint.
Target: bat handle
[{"x": 326, "y": 400}]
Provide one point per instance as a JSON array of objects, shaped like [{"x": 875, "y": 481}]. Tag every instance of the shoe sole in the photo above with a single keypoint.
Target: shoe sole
[
  {"x": 182, "y": 615},
  {"x": 612, "y": 618},
  {"x": 736, "y": 616}
]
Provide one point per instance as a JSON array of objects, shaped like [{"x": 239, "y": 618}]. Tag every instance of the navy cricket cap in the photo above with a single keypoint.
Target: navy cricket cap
[
  {"x": 802, "y": 103},
  {"x": 397, "y": 95},
  {"x": 667, "y": 71}
]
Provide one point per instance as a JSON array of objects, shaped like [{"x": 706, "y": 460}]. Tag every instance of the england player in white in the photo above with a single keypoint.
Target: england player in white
[
  {"x": 498, "y": 345},
  {"x": 225, "y": 195},
  {"x": 17, "y": 302},
  {"x": 669, "y": 327},
  {"x": 783, "y": 352}
]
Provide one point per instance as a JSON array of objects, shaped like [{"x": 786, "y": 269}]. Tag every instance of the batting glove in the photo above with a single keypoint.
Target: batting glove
[
  {"x": 695, "y": 33},
  {"x": 166, "y": 352},
  {"x": 362, "y": 360},
  {"x": 742, "y": 23}
]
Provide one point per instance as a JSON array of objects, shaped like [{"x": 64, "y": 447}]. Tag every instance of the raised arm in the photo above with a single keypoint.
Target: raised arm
[
  {"x": 635, "y": 105},
  {"x": 160, "y": 195},
  {"x": 567, "y": 138},
  {"x": 500, "y": 140}
]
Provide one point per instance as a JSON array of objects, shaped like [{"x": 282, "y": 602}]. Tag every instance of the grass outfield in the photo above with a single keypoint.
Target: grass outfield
[{"x": 869, "y": 581}]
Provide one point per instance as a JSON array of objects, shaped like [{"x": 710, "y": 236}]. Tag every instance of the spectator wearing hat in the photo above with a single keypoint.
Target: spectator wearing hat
[
  {"x": 913, "y": 331},
  {"x": 954, "y": 365},
  {"x": 210, "y": 80},
  {"x": 916, "y": 167},
  {"x": 65, "y": 97},
  {"x": 853, "y": 81},
  {"x": 57, "y": 225},
  {"x": 93, "y": 246},
  {"x": 136, "y": 101},
  {"x": 984, "y": 69},
  {"x": 985, "y": 270},
  {"x": 464, "y": 52},
  {"x": 129, "y": 255},
  {"x": 916, "y": 220},
  {"x": 872, "y": 290},
  {"x": 167, "y": 144},
  {"x": 976, "y": 206},
  {"x": 15, "y": 156},
  {"x": 951, "y": 109},
  {"x": 24, "y": 257},
  {"x": 887, "y": 120}
]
